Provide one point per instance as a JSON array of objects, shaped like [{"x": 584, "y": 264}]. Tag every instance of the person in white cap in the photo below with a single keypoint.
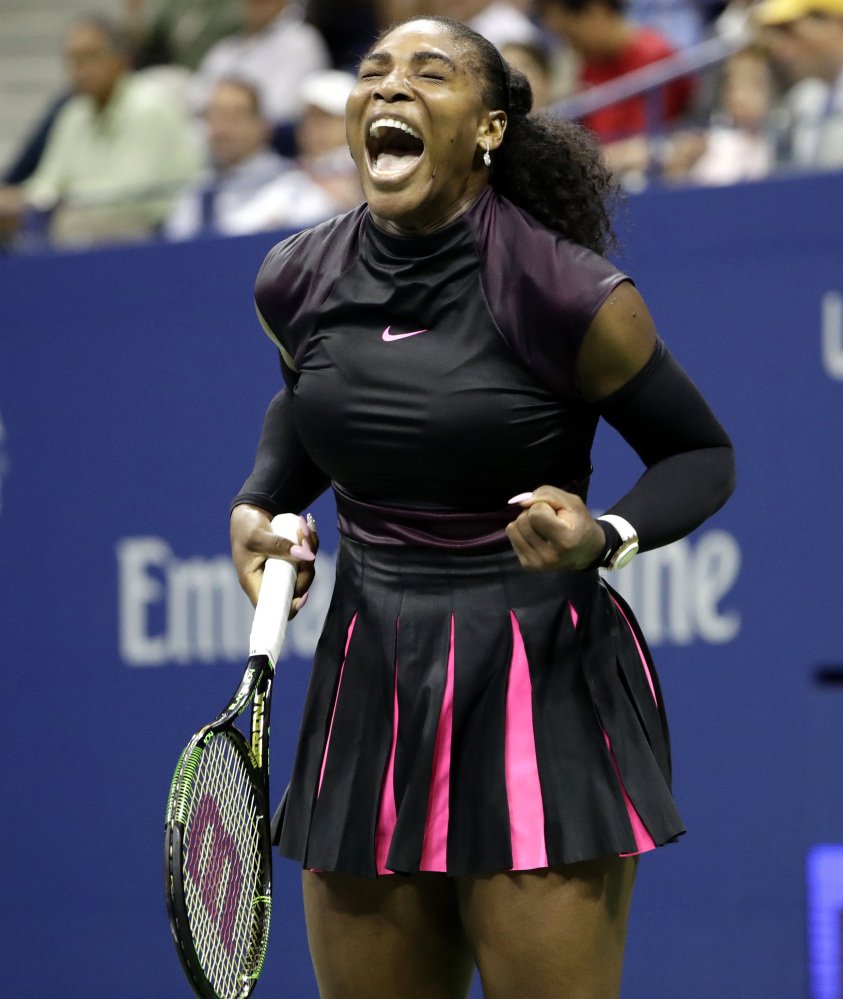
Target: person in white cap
[
  {"x": 249, "y": 187},
  {"x": 322, "y": 149},
  {"x": 805, "y": 39},
  {"x": 276, "y": 50}
]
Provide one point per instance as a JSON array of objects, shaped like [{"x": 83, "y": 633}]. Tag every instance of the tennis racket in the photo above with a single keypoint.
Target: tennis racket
[{"x": 217, "y": 850}]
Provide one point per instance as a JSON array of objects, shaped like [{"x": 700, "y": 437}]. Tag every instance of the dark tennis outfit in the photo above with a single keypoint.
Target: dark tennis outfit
[{"x": 463, "y": 715}]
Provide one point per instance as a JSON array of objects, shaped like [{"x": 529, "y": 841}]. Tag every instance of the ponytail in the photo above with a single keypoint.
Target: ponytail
[{"x": 552, "y": 168}]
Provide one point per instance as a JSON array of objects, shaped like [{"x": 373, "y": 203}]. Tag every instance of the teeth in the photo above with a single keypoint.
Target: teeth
[{"x": 381, "y": 123}]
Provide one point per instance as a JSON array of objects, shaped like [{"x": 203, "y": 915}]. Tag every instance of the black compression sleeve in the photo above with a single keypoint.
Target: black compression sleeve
[
  {"x": 690, "y": 462},
  {"x": 284, "y": 479}
]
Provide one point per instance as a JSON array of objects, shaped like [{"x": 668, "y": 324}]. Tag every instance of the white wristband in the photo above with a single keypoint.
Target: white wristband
[{"x": 629, "y": 541}]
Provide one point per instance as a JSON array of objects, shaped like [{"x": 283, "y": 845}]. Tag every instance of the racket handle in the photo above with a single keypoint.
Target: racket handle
[{"x": 276, "y": 593}]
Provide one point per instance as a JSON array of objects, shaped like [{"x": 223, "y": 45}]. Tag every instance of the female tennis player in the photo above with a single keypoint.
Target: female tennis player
[{"x": 483, "y": 750}]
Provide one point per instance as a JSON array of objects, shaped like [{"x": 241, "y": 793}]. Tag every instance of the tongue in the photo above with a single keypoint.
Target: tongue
[{"x": 394, "y": 161}]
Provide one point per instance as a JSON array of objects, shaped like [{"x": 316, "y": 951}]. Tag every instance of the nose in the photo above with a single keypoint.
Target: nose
[{"x": 392, "y": 87}]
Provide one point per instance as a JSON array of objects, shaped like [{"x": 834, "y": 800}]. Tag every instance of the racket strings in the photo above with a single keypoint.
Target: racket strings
[{"x": 223, "y": 870}]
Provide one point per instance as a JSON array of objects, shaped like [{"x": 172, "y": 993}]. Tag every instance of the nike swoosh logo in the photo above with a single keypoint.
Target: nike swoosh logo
[{"x": 387, "y": 336}]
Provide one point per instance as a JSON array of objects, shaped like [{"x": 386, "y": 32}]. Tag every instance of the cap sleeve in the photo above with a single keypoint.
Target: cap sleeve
[{"x": 543, "y": 291}]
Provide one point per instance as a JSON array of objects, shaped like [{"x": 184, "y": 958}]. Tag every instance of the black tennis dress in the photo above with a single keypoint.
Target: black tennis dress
[{"x": 463, "y": 714}]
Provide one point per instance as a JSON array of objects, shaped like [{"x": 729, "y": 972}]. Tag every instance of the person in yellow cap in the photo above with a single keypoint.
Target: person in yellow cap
[{"x": 805, "y": 39}]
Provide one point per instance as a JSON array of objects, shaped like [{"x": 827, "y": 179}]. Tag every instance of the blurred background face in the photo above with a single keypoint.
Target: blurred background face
[
  {"x": 747, "y": 90},
  {"x": 94, "y": 65},
  {"x": 234, "y": 125},
  {"x": 809, "y": 46},
  {"x": 258, "y": 14},
  {"x": 319, "y": 132}
]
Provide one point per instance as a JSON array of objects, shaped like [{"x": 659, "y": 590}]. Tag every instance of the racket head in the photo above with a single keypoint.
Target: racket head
[{"x": 218, "y": 866}]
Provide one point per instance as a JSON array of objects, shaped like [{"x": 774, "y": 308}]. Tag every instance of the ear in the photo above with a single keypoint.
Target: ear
[{"x": 492, "y": 130}]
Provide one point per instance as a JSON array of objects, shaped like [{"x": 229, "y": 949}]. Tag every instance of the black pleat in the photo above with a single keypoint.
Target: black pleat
[
  {"x": 357, "y": 754},
  {"x": 324, "y": 677},
  {"x": 636, "y": 727}
]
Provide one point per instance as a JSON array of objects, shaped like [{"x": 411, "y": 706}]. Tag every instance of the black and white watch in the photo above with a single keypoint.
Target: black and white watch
[{"x": 621, "y": 539}]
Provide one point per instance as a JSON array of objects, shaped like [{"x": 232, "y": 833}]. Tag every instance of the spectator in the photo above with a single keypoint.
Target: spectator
[
  {"x": 28, "y": 156},
  {"x": 740, "y": 144},
  {"x": 117, "y": 154},
  {"x": 179, "y": 31},
  {"x": 321, "y": 140},
  {"x": 241, "y": 166},
  {"x": 805, "y": 38},
  {"x": 250, "y": 187},
  {"x": 275, "y": 51},
  {"x": 611, "y": 45}
]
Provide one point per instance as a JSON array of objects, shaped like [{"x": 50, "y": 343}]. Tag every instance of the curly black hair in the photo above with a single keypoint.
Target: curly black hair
[{"x": 549, "y": 166}]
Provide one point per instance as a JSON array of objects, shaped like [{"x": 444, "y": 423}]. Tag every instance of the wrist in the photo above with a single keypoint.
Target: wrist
[{"x": 621, "y": 542}]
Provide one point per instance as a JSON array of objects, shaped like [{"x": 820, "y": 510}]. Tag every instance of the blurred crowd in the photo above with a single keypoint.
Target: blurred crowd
[{"x": 183, "y": 119}]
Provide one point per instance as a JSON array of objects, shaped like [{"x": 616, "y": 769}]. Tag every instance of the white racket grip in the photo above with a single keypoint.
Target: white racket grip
[{"x": 276, "y": 593}]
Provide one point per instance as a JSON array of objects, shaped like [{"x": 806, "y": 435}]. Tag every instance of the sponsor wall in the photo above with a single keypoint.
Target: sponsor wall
[{"x": 132, "y": 387}]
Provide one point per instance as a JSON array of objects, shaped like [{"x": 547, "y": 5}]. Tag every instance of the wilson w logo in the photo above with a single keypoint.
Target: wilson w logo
[{"x": 214, "y": 867}]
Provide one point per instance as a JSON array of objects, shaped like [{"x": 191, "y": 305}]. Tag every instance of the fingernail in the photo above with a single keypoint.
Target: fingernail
[
  {"x": 302, "y": 553},
  {"x": 305, "y": 527},
  {"x": 302, "y": 601},
  {"x": 520, "y": 498}
]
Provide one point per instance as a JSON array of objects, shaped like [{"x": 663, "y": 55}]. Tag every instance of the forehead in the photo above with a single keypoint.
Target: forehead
[
  {"x": 228, "y": 94},
  {"x": 86, "y": 37},
  {"x": 416, "y": 39}
]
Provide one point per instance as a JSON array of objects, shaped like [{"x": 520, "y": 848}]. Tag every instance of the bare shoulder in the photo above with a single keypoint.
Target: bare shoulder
[{"x": 620, "y": 340}]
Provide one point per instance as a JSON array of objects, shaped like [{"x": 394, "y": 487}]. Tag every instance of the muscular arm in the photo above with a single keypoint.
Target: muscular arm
[
  {"x": 644, "y": 394},
  {"x": 647, "y": 397}
]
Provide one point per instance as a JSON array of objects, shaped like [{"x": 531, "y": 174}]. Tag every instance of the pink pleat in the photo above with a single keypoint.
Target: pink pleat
[
  {"x": 336, "y": 698},
  {"x": 640, "y": 651},
  {"x": 387, "y": 813},
  {"x": 643, "y": 840},
  {"x": 523, "y": 789},
  {"x": 574, "y": 616},
  {"x": 435, "y": 846}
]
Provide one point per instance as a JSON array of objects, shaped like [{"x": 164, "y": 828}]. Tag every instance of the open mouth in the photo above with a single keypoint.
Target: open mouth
[{"x": 394, "y": 147}]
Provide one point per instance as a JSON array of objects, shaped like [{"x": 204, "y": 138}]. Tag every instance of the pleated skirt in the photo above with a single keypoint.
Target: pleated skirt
[{"x": 466, "y": 716}]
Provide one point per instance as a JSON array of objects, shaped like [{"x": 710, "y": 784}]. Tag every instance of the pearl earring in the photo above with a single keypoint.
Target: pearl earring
[{"x": 487, "y": 157}]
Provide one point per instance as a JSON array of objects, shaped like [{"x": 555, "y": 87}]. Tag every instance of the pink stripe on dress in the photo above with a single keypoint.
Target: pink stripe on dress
[
  {"x": 523, "y": 789},
  {"x": 336, "y": 699},
  {"x": 387, "y": 813},
  {"x": 640, "y": 651},
  {"x": 434, "y": 855},
  {"x": 643, "y": 840}
]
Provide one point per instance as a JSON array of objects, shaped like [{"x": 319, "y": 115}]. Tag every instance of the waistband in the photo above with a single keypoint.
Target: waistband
[{"x": 457, "y": 531}]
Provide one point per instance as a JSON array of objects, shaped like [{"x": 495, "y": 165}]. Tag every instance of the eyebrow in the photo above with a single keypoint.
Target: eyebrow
[{"x": 423, "y": 55}]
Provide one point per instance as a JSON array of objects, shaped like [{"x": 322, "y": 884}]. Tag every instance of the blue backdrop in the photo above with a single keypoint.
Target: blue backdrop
[{"x": 132, "y": 387}]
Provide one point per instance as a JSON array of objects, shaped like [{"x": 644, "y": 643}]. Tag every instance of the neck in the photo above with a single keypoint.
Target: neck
[{"x": 426, "y": 227}]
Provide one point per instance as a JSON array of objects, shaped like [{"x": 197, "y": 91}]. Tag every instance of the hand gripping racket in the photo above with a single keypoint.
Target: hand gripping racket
[{"x": 217, "y": 851}]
